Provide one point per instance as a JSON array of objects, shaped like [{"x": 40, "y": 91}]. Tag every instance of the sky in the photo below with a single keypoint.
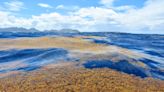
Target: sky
[{"x": 131, "y": 16}]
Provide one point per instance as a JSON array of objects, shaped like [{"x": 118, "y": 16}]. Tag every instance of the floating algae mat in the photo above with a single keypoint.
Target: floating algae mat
[{"x": 87, "y": 62}]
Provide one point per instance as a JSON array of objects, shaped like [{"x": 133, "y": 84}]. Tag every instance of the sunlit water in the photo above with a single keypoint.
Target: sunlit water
[{"x": 33, "y": 59}]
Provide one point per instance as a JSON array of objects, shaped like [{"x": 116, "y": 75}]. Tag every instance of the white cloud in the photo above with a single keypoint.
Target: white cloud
[
  {"x": 108, "y": 3},
  {"x": 14, "y": 5},
  {"x": 8, "y": 20},
  {"x": 150, "y": 16},
  {"x": 60, "y": 7},
  {"x": 124, "y": 8},
  {"x": 45, "y": 5},
  {"x": 149, "y": 19},
  {"x": 67, "y": 8}
]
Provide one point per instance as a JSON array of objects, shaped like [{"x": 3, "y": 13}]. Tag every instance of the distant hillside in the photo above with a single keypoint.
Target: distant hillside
[{"x": 16, "y": 29}]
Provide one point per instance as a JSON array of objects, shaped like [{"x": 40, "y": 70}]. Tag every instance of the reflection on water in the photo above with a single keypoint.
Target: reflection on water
[
  {"x": 151, "y": 46},
  {"x": 29, "y": 59},
  {"x": 151, "y": 68},
  {"x": 123, "y": 66}
]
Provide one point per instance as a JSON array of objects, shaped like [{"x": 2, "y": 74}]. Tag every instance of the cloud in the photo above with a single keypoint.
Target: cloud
[
  {"x": 60, "y": 7},
  {"x": 150, "y": 16},
  {"x": 44, "y": 5},
  {"x": 124, "y": 8},
  {"x": 108, "y": 3},
  {"x": 8, "y": 20},
  {"x": 13, "y": 5},
  {"x": 67, "y": 8},
  {"x": 148, "y": 19}
]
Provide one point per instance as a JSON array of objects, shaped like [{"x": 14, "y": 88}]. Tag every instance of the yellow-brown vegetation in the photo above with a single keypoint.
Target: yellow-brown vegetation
[
  {"x": 51, "y": 42},
  {"x": 69, "y": 43},
  {"x": 72, "y": 79}
]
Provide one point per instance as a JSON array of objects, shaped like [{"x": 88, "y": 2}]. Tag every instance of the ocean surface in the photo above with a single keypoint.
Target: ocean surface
[{"x": 151, "y": 45}]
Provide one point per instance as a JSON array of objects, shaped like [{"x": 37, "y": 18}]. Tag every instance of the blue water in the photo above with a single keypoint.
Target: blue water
[
  {"x": 32, "y": 58},
  {"x": 127, "y": 67},
  {"x": 32, "y": 34},
  {"x": 152, "y": 45},
  {"x": 123, "y": 66}
]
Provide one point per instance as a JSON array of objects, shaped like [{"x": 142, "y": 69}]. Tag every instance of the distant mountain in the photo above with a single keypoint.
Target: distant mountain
[{"x": 16, "y": 29}]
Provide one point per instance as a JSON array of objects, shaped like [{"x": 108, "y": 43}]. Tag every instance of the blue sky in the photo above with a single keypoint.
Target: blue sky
[
  {"x": 135, "y": 16},
  {"x": 31, "y": 6}
]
